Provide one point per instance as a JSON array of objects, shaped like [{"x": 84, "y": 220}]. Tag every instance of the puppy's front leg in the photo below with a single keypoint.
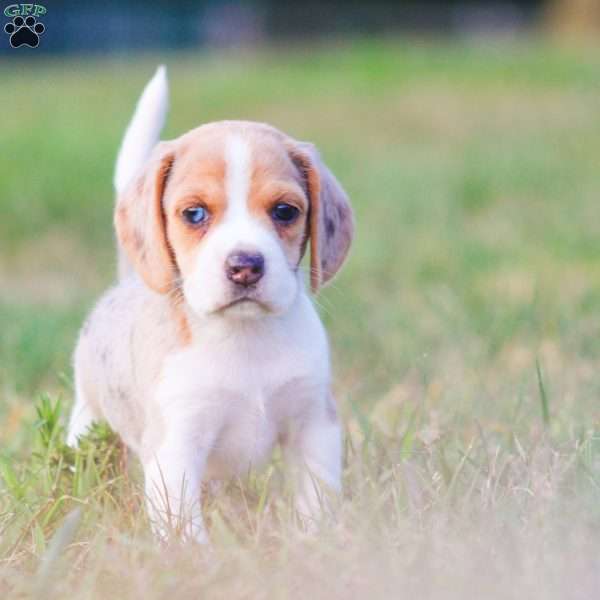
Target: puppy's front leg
[
  {"x": 315, "y": 455},
  {"x": 173, "y": 476}
]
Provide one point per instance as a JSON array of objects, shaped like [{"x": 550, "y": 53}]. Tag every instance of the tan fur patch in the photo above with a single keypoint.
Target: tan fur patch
[
  {"x": 198, "y": 179},
  {"x": 139, "y": 222},
  {"x": 275, "y": 179}
]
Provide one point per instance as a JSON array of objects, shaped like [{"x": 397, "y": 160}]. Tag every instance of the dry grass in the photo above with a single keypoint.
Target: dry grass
[
  {"x": 465, "y": 329},
  {"x": 423, "y": 515}
]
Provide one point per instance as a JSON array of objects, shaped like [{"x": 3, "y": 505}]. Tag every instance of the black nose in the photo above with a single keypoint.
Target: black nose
[{"x": 245, "y": 268}]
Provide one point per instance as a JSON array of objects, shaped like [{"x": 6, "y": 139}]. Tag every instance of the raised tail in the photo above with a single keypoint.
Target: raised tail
[{"x": 141, "y": 136}]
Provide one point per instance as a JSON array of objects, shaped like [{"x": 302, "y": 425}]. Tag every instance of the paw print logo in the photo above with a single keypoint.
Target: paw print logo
[{"x": 24, "y": 32}]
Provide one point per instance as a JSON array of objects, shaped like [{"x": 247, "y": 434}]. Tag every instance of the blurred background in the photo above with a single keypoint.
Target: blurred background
[
  {"x": 116, "y": 26},
  {"x": 468, "y": 137}
]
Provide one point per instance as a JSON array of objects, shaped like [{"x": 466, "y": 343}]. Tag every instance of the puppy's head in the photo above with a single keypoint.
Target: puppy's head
[{"x": 225, "y": 213}]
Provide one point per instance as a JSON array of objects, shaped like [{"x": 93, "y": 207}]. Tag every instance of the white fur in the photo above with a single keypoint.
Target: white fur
[
  {"x": 144, "y": 129},
  {"x": 252, "y": 376},
  {"x": 237, "y": 178},
  {"x": 253, "y": 383},
  {"x": 81, "y": 416}
]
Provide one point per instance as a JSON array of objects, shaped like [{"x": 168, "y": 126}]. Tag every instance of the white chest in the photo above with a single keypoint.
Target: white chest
[{"x": 244, "y": 387}]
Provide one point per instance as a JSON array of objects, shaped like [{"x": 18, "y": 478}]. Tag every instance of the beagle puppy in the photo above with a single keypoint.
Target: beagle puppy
[{"x": 208, "y": 350}]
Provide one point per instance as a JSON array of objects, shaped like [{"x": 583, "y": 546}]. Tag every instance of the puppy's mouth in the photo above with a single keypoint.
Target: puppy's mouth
[{"x": 242, "y": 302}]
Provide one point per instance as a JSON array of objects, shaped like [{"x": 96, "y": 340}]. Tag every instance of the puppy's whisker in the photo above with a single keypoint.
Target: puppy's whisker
[
  {"x": 326, "y": 309},
  {"x": 325, "y": 304}
]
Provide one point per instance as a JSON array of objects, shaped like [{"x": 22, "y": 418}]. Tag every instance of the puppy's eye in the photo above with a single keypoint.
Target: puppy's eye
[
  {"x": 195, "y": 215},
  {"x": 284, "y": 213}
]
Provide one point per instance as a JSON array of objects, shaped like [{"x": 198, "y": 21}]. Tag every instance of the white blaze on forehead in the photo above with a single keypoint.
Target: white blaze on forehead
[
  {"x": 208, "y": 288},
  {"x": 237, "y": 175}
]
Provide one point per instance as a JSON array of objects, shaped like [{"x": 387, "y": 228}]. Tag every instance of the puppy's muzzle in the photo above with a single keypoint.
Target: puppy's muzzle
[{"x": 245, "y": 268}]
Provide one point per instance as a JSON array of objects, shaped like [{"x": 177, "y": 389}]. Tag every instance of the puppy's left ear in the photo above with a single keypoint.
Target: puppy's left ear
[
  {"x": 331, "y": 223},
  {"x": 140, "y": 221}
]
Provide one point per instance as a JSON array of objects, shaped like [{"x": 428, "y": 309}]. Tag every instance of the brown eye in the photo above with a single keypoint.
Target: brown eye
[
  {"x": 195, "y": 215},
  {"x": 284, "y": 213}
]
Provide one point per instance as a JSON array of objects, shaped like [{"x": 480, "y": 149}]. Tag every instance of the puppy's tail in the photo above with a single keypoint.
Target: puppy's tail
[
  {"x": 144, "y": 129},
  {"x": 143, "y": 133}
]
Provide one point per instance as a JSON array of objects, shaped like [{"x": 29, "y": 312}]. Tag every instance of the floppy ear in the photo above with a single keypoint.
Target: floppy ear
[
  {"x": 331, "y": 224},
  {"x": 140, "y": 221}
]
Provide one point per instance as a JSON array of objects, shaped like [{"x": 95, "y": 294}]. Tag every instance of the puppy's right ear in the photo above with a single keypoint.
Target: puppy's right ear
[
  {"x": 331, "y": 224},
  {"x": 140, "y": 221}
]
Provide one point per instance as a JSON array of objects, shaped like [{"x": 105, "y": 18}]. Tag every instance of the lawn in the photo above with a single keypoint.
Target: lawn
[{"x": 465, "y": 327}]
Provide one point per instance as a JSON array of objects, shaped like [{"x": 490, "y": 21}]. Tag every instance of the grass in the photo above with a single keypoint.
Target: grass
[{"x": 465, "y": 326}]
